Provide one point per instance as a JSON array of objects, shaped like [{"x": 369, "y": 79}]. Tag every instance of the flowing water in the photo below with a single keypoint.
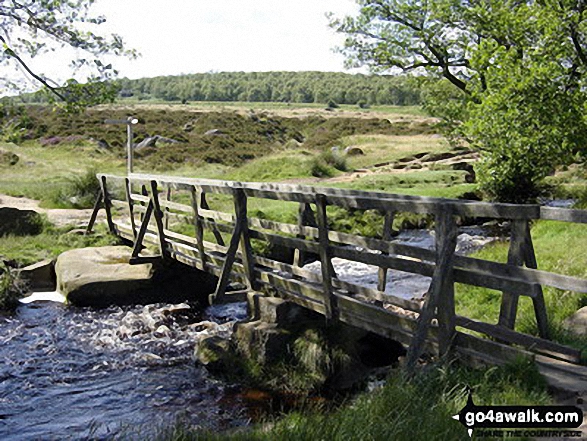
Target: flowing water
[
  {"x": 70, "y": 373},
  {"x": 77, "y": 373}
]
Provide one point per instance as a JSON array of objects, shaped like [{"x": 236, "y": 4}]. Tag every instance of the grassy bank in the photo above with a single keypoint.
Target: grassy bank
[{"x": 403, "y": 409}]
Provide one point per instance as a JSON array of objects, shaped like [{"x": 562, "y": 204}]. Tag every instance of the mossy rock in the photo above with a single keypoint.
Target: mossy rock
[
  {"x": 8, "y": 158},
  {"x": 20, "y": 222}
]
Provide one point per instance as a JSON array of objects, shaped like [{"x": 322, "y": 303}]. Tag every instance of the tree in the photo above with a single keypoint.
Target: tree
[
  {"x": 29, "y": 28},
  {"x": 518, "y": 69}
]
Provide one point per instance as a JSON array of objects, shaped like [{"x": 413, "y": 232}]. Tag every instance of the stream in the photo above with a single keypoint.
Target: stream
[{"x": 78, "y": 373}]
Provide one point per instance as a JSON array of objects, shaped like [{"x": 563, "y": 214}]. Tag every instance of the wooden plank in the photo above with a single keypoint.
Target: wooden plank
[
  {"x": 563, "y": 215},
  {"x": 325, "y": 258},
  {"x": 504, "y": 353},
  {"x": 289, "y": 242},
  {"x": 175, "y": 205},
  {"x": 305, "y": 218},
  {"x": 387, "y": 231},
  {"x": 302, "y": 193},
  {"x": 97, "y": 205},
  {"x": 440, "y": 294},
  {"x": 139, "y": 198},
  {"x": 531, "y": 343}
]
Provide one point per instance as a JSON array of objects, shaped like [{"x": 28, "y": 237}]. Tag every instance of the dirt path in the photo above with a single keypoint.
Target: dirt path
[{"x": 58, "y": 216}]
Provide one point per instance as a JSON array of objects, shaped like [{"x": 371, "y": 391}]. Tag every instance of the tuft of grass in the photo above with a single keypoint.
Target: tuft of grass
[
  {"x": 10, "y": 288},
  {"x": 79, "y": 191},
  {"x": 26, "y": 250}
]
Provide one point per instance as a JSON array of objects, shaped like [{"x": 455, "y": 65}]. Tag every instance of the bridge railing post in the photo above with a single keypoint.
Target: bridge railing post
[
  {"x": 199, "y": 227},
  {"x": 330, "y": 301},
  {"x": 387, "y": 232},
  {"x": 439, "y": 300},
  {"x": 158, "y": 214},
  {"x": 521, "y": 252},
  {"x": 240, "y": 236}
]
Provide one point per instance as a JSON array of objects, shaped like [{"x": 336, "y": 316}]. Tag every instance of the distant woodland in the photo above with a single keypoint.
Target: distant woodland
[{"x": 295, "y": 87}]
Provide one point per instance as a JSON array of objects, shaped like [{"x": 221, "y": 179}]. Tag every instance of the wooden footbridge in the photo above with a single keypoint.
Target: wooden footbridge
[{"x": 174, "y": 215}]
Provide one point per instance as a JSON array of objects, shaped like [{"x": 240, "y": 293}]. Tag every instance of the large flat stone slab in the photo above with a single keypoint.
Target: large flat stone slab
[{"x": 102, "y": 276}]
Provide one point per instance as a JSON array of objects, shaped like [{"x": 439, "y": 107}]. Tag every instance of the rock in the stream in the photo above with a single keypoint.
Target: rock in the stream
[
  {"x": 577, "y": 323},
  {"x": 102, "y": 276},
  {"x": 19, "y": 222}
]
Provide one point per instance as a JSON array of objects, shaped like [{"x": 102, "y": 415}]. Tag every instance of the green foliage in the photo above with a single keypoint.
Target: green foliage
[
  {"x": 10, "y": 289},
  {"x": 519, "y": 69},
  {"x": 31, "y": 28},
  {"x": 80, "y": 191},
  {"x": 296, "y": 87}
]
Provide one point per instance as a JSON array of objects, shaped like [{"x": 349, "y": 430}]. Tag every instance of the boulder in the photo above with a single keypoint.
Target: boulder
[
  {"x": 577, "y": 323},
  {"x": 353, "y": 151},
  {"x": 39, "y": 276},
  {"x": 19, "y": 222},
  {"x": 150, "y": 141},
  {"x": 103, "y": 276}
]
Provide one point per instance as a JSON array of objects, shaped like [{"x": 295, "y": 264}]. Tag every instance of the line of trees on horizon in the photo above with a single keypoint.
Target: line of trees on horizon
[{"x": 295, "y": 87}]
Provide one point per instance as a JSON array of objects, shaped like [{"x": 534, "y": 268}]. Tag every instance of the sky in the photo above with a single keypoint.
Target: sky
[{"x": 193, "y": 36}]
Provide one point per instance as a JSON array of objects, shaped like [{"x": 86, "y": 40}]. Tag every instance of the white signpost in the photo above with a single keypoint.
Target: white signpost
[{"x": 130, "y": 121}]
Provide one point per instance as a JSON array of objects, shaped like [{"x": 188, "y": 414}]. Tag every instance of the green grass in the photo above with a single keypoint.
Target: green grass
[
  {"x": 559, "y": 248},
  {"x": 26, "y": 250}
]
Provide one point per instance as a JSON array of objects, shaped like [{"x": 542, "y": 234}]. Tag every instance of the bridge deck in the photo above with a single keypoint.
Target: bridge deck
[{"x": 174, "y": 215}]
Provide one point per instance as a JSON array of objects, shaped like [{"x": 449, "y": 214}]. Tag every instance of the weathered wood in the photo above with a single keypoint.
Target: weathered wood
[
  {"x": 97, "y": 206},
  {"x": 127, "y": 189},
  {"x": 167, "y": 199},
  {"x": 387, "y": 231},
  {"x": 158, "y": 215},
  {"x": 168, "y": 204},
  {"x": 529, "y": 342},
  {"x": 107, "y": 204},
  {"x": 199, "y": 228},
  {"x": 440, "y": 294},
  {"x": 509, "y": 302},
  {"x": 305, "y": 218},
  {"x": 240, "y": 207},
  {"x": 138, "y": 240},
  {"x": 538, "y": 298},
  {"x": 563, "y": 215},
  {"x": 204, "y": 206},
  {"x": 325, "y": 259},
  {"x": 498, "y": 351}
]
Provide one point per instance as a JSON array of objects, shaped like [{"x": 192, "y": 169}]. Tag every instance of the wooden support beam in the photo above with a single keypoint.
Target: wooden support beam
[
  {"x": 167, "y": 199},
  {"x": 387, "y": 234},
  {"x": 330, "y": 302},
  {"x": 440, "y": 294},
  {"x": 305, "y": 218},
  {"x": 138, "y": 244},
  {"x": 128, "y": 192},
  {"x": 240, "y": 208},
  {"x": 522, "y": 252},
  {"x": 199, "y": 229},
  {"x": 97, "y": 206},
  {"x": 204, "y": 205},
  {"x": 158, "y": 219},
  {"x": 230, "y": 258},
  {"x": 107, "y": 204}
]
